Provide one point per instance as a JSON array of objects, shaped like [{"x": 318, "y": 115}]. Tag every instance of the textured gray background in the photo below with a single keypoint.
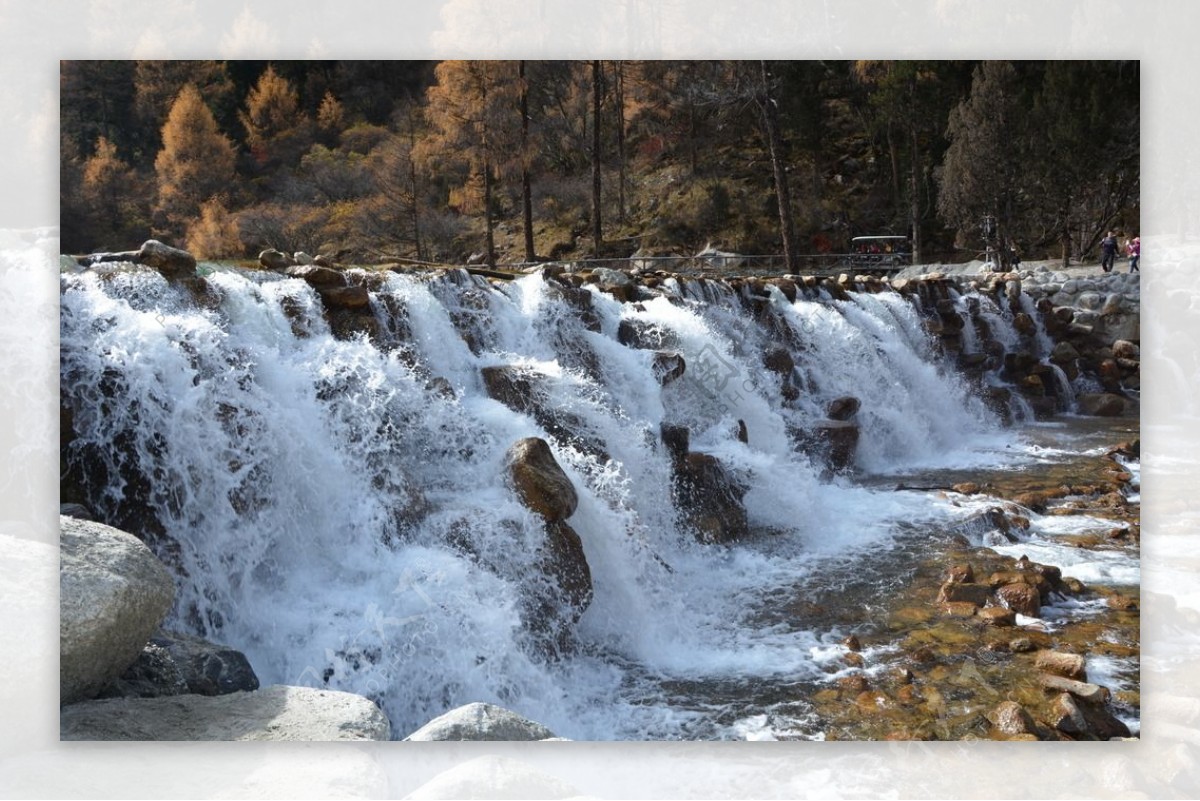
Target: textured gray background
[{"x": 1166, "y": 763}]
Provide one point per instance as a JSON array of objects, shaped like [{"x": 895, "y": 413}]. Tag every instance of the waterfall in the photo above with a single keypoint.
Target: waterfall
[{"x": 337, "y": 508}]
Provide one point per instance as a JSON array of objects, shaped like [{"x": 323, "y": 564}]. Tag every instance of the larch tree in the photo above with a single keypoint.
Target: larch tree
[
  {"x": 277, "y": 131},
  {"x": 196, "y": 162},
  {"x": 113, "y": 197},
  {"x": 474, "y": 122}
]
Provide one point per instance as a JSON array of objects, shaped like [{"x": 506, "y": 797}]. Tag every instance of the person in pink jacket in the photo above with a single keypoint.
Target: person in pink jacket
[{"x": 1134, "y": 249}]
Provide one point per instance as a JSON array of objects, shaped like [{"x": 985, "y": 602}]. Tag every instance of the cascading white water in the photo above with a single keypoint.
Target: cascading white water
[{"x": 338, "y": 514}]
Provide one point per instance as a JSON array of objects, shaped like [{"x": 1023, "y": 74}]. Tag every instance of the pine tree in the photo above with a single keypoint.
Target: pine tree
[
  {"x": 196, "y": 162},
  {"x": 277, "y": 131}
]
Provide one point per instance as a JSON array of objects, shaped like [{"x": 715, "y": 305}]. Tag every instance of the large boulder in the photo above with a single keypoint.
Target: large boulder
[
  {"x": 274, "y": 713},
  {"x": 479, "y": 721},
  {"x": 843, "y": 408},
  {"x": 539, "y": 481},
  {"x": 274, "y": 260},
  {"x": 711, "y": 499},
  {"x": 171, "y": 262},
  {"x": 113, "y": 594}
]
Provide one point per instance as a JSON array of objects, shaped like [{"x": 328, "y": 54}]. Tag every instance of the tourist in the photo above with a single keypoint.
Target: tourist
[
  {"x": 1135, "y": 251},
  {"x": 1108, "y": 252}
]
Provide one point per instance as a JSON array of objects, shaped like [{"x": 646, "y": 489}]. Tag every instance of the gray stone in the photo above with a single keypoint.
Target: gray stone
[
  {"x": 207, "y": 668},
  {"x": 274, "y": 713},
  {"x": 113, "y": 595},
  {"x": 479, "y": 721},
  {"x": 1090, "y": 301}
]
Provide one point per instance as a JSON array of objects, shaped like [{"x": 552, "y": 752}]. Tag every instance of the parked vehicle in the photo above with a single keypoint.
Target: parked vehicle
[{"x": 880, "y": 253}]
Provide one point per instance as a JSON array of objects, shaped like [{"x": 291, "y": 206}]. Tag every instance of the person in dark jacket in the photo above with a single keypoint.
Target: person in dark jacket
[{"x": 1108, "y": 252}]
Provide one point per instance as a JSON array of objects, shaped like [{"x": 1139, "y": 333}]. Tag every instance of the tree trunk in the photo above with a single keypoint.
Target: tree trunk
[
  {"x": 526, "y": 192},
  {"x": 770, "y": 113},
  {"x": 914, "y": 187},
  {"x": 412, "y": 177},
  {"x": 619, "y": 101},
  {"x": 597, "y": 229},
  {"x": 487, "y": 212}
]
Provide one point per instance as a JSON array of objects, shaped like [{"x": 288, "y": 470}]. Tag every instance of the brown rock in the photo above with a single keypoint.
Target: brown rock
[
  {"x": 564, "y": 560},
  {"x": 955, "y": 592},
  {"x": 1100, "y": 404},
  {"x": 539, "y": 481},
  {"x": 966, "y": 488},
  {"x": 711, "y": 499},
  {"x": 171, "y": 262},
  {"x": 1091, "y": 693},
  {"x": 959, "y": 609},
  {"x": 317, "y": 276},
  {"x": 997, "y": 616},
  {"x": 1070, "y": 666},
  {"x": 779, "y": 360},
  {"x": 345, "y": 297},
  {"x": 852, "y": 643},
  {"x": 853, "y": 684},
  {"x": 961, "y": 574},
  {"x": 1066, "y": 716},
  {"x": 1023, "y": 599},
  {"x": 1010, "y": 718},
  {"x": 873, "y": 702}
]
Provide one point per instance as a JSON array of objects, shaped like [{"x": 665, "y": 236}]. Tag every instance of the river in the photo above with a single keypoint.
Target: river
[{"x": 335, "y": 504}]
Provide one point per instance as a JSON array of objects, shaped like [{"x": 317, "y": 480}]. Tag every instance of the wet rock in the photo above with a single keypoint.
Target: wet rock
[
  {"x": 711, "y": 499},
  {"x": 667, "y": 367},
  {"x": 955, "y": 592},
  {"x": 113, "y": 593},
  {"x": 982, "y": 523},
  {"x": 1100, "y": 404},
  {"x": 1024, "y": 324},
  {"x": 997, "y": 616},
  {"x": 274, "y": 713},
  {"x": 1021, "y": 645},
  {"x": 1020, "y": 598},
  {"x": 959, "y": 608},
  {"x": 480, "y": 722},
  {"x": 844, "y": 408},
  {"x": 832, "y": 442},
  {"x": 967, "y": 488},
  {"x": 1010, "y": 718},
  {"x": 1070, "y": 666},
  {"x": 154, "y": 673},
  {"x": 779, "y": 360},
  {"x": 540, "y": 483},
  {"x": 350, "y": 298},
  {"x": 636, "y": 333},
  {"x": 852, "y": 643},
  {"x": 566, "y": 563},
  {"x": 961, "y": 574},
  {"x": 677, "y": 440},
  {"x": 1066, "y": 716}
]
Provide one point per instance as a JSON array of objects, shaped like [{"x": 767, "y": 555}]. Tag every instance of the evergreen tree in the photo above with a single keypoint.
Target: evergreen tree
[{"x": 196, "y": 162}]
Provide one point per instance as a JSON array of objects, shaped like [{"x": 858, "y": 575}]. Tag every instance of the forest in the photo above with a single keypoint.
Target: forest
[{"x": 510, "y": 162}]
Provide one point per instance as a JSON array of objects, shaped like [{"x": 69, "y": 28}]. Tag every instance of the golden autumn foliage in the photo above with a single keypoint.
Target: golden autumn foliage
[{"x": 196, "y": 161}]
